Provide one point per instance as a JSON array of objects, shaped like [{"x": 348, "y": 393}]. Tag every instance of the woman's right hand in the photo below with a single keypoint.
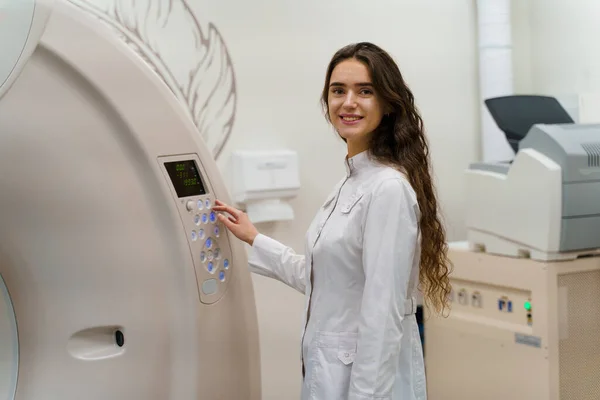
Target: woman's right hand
[{"x": 238, "y": 222}]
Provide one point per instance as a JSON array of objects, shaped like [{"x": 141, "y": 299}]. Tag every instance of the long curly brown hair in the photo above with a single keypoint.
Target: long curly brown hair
[{"x": 400, "y": 141}]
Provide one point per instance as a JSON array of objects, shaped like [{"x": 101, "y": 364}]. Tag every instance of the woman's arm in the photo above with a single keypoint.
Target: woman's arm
[
  {"x": 273, "y": 259},
  {"x": 267, "y": 257}
]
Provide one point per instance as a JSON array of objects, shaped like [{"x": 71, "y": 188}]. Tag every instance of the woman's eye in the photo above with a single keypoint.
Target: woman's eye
[{"x": 366, "y": 92}]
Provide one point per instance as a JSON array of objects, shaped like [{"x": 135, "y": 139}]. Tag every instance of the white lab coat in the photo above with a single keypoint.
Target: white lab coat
[{"x": 359, "y": 274}]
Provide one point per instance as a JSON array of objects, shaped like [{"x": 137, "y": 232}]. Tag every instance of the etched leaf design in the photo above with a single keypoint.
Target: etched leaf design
[{"x": 196, "y": 67}]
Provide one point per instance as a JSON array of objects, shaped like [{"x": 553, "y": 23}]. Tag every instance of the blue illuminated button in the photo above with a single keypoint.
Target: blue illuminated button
[
  {"x": 208, "y": 243},
  {"x": 204, "y": 218},
  {"x": 211, "y": 267},
  {"x": 207, "y": 203},
  {"x": 222, "y": 276},
  {"x": 194, "y": 235},
  {"x": 217, "y": 231},
  {"x": 226, "y": 263},
  {"x": 201, "y": 233},
  {"x": 213, "y": 217},
  {"x": 203, "y": 257},
  {"x": 197, "y": 219}
]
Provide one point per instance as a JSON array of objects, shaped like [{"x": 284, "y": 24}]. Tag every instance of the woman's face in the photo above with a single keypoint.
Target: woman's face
[{"x": 354, "y": 108}]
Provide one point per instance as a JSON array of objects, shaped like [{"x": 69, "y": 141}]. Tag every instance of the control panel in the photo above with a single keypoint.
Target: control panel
[
  {"x": 207, "y": 240},
  {"x": 509, "y": 305}
]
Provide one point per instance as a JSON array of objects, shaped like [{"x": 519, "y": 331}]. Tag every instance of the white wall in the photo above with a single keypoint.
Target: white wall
[
  {"x": 557, "y": 47},
  {"x": 280, "y": 51}
]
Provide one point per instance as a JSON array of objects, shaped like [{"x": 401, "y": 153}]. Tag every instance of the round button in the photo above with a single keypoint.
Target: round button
[
  {"x": 197, "y": 219},
  {"x": 203, "y": 257},
  {"x": 204, "y": 218},
  {"x": 210, "y": 255},
  {"x": 189, "y": 205},
  {"x": 213, "y": 217},
  {"x": 207, "y": 203},
  {"x": 222, "y": 276},
  {"x": 208, "y": 243},
  {"x": 200, "y": 204},
  {"x": 217, "y": 231},
  {"x": 210, "y": 267},
  {"x": 226, "y": 263},
  {"x": 217, "y": 253},
  {"x": 194, "y": 236},
  {"x": 201, "y": 233}
]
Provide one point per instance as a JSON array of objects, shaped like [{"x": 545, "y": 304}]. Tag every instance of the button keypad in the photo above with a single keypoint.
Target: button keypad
[{"x": 206, "y": 241}]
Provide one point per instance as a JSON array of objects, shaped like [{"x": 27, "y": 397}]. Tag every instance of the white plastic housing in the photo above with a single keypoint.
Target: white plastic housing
[
  {"x": 118, "y": 281},
  {"x": 517, "y": 210},
  {"x": 262, "y": 180},
  {"x": 22, "y": 23}
]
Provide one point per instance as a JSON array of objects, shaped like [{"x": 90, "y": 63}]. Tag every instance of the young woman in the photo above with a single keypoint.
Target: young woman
[{"x": 373, "y": 244}]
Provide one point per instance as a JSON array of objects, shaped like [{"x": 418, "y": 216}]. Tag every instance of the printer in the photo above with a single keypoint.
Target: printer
[{"x": 545, "y": 203}]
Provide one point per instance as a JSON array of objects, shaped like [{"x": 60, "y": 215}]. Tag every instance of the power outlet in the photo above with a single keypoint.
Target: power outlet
[
  {"x": 505, "y": 304},
  {"x": 476, "y": 300}
]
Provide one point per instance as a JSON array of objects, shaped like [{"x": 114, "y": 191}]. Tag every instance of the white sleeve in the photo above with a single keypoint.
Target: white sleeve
[
  {"x": 389, "y": 243},
  {"x": 268, "y": 257}
]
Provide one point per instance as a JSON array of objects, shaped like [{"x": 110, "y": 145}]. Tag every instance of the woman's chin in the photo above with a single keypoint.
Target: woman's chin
[{"x": 350, "y": 135}]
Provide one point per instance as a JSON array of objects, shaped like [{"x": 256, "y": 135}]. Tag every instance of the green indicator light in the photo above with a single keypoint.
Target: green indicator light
[{"x": 527, "y": 306}]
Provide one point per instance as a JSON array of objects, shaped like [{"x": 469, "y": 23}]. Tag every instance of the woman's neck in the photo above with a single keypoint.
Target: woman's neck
[{"x": 356, "y": 148}]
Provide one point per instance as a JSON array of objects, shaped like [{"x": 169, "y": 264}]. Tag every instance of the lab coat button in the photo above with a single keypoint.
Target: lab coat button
[{"x": 346, "y": 357}]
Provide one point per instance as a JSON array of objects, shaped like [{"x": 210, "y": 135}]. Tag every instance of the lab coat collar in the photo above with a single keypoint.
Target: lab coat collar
[{"x": 357, "y": 163}]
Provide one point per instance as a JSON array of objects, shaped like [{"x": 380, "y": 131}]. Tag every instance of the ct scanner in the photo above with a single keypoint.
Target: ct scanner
[{"x": 116, "y": 280}]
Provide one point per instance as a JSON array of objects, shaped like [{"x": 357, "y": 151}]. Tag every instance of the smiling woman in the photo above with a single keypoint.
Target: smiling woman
[
  {"x": 364, "y": 79},
  {"x": 354, "y": 110},
  {"x": 374, "y": 239}
]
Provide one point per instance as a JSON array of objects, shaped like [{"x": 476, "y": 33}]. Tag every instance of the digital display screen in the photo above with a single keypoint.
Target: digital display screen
[{"x": 186, "y": 178}]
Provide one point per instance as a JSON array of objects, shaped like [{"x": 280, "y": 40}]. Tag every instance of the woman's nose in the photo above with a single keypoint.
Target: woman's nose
[{"x": 350, "y": 100}]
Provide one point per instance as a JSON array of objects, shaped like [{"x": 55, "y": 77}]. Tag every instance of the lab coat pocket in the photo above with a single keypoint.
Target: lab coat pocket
[
  {"x": 333, "y": 355},
  {"x": 351, "y": 202}
]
